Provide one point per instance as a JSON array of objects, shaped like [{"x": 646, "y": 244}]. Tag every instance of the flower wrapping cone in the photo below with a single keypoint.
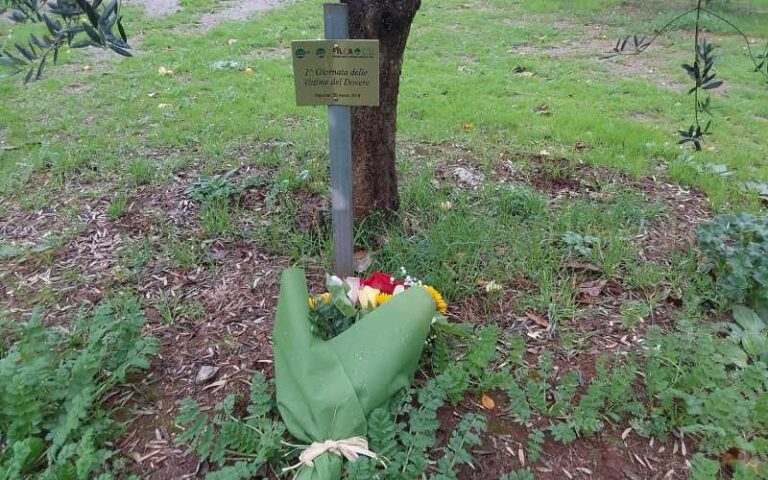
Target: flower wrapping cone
[{"x": 326, "y": 389}]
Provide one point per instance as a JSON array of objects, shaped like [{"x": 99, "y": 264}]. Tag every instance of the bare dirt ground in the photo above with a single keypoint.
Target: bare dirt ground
[
  {"x": 157, "y": 8},
  {"x": 651, "y": 66},
  {"x": 228, "y": 11},
  {"x": 234, "y": 11}
]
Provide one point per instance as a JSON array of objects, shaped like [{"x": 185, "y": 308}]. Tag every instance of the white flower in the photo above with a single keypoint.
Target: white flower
[{"x": 354, "y": 288}]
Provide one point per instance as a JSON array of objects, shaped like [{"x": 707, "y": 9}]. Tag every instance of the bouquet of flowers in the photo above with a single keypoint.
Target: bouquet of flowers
[
  {"x": 343, "y": 354},
  {"x": 348, "y": 300}
]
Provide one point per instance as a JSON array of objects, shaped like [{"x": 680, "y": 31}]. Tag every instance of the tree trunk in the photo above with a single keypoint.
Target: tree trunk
[{"x": 373, "y": 128}]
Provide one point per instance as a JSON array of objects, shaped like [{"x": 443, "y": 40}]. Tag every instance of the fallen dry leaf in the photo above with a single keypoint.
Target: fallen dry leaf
[
  {"x": 538, "y": 319},
  {"x": 488, "y": 402},
  {"x": 589, "y": 292},
  {"x": 543, "y": 110},
  {"x": 363, "y": 260},
  {"x": 583, "y": 266},
  {"x": 734, "y": 455}
]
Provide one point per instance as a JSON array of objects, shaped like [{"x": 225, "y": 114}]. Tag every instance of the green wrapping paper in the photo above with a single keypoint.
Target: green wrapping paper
[{"x": 327, "y": 389}]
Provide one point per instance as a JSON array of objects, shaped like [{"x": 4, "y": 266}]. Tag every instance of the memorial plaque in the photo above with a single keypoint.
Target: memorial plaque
[{"x": 336, "y": 72}]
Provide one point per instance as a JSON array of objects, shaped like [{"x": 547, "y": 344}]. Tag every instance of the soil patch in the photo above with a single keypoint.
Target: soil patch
[
  {"x": 234, "y": 11},
  {"x": 157, "y": 8},
  {"x": 234, "y": 336},
  {"x": 271, "y": 53},
  {"x": 611, "y": 455},
  {"x": 685, "y": 208},
  {"x": 216, "y": 313},
  {"x": 651, "y": 66}
]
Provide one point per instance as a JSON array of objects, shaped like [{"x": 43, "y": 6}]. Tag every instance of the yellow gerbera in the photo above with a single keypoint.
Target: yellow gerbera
[
  {"x": 383, "y": 298},
  {"x": 326, "y": 298},
  {"x": 442, "y": 306}
]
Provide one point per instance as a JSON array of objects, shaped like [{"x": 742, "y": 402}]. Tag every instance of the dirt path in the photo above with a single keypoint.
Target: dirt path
[
  {"x": 157, "y": 8},
  {"x": 235, "y": 10}
]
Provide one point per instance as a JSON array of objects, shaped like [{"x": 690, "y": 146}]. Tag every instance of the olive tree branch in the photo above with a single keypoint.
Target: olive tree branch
[
  {"x": 758, "y": 66},
  {"x": 642, "y": 45},
  {"x": 99, "y": 22}
]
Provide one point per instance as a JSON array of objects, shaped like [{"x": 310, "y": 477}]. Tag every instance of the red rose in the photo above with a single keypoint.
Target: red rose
[{"x": 382, "y": 282}]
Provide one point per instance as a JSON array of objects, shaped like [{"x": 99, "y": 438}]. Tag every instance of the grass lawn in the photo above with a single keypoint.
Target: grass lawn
[{"x": 525, "y": 160}]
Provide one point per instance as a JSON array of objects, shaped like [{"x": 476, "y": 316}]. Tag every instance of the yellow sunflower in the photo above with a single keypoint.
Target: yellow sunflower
[{"x": 442, "y": 306}]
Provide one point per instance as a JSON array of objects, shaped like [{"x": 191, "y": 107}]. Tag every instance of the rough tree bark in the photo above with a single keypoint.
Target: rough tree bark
[{"x": 373, "y": 128}]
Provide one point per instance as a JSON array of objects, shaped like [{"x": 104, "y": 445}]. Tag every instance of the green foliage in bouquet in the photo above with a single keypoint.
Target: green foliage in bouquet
[
  {"x": 52, "y": 382},
  {"x": 347, "y": 301},
  {"x": 333, "y": 312}
]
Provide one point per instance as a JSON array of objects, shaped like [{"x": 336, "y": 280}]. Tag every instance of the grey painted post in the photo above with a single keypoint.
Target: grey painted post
[{"x": 340, "y": 135}]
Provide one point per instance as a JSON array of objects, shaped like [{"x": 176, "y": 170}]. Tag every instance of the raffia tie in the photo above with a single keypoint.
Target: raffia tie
[{"x": 349, "y": 448}]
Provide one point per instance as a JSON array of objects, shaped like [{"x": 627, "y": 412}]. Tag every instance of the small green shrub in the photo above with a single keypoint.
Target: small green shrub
[
  {"x": 524, "y": 474},
  {"x": 535, "y": 445},
  {"x": 140, "y": 172},
  {"x": 583, "y": 245},
  {"x": 184, "y": 254},
  {"x": 117, "y": 206},
  {"x": 52, "y": 424},
  {"x": 706, "y": 386},
  {"x": 515, "y": 203},
  {"x": 215, "y": 217},
  {"x": 222, "y": 187},
  {"x": 465, "y": 435},
  {"x": 247, "y": 444},
  {"x": 737, "y": 246}
]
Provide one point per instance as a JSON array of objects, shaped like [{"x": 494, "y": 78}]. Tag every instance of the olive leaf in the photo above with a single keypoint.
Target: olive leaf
[{"x": 76, "y": 23}]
